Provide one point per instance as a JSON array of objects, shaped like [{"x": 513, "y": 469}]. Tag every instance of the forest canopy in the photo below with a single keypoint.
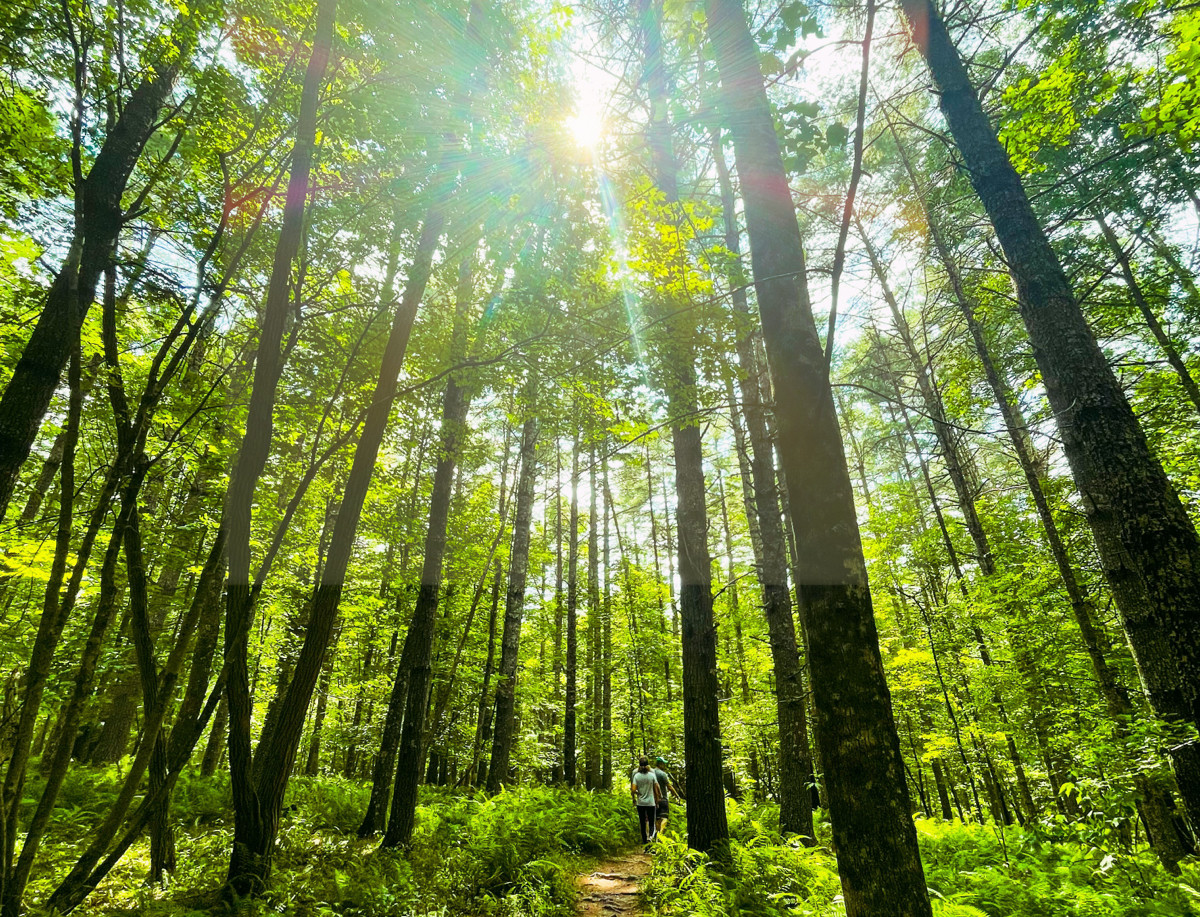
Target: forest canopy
[{"x": 414, "y": 412}]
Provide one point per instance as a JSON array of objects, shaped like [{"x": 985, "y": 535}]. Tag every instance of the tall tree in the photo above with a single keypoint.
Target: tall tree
[
  {"x": 570, "y": 737},
  {"x": 98, "y": 220},
  {"x": 874, "y": 837},
  {"x": 514, "y": 601},
  {"x": 1146, "y": 540},
  {"x": 707, "y": 825},
  {"x": 254, "y": 827}
]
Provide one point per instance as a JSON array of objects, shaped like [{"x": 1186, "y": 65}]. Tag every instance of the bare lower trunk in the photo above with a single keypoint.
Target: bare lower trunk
[
  {"x": 216, "y": 741},
  {"x": 874, "y": 837},
  {"x": 256, "y": 820},
  {"x": 383, "y": 769},
  {"x": 514, "y": 609},
  {"x": 570, "y": 739},
  {"x": 795, "y": 763}
]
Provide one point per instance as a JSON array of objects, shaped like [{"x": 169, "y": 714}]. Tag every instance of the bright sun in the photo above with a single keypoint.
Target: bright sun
[{"x": 587, "y": 127}]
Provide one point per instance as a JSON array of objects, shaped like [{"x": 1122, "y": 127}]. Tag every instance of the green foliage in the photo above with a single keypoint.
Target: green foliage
[
  {"x": 971, "y": 871},
  {"x": 514, "y": 855},
  {"x": 1175, "y": 106}
]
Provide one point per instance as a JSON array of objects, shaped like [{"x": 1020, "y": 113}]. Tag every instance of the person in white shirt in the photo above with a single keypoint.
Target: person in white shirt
[{"x": 643, "y": 785}]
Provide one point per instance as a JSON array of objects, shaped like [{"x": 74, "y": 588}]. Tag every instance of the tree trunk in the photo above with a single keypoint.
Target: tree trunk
[
  {"x": 873, "y": 833},
  {"x": 383, "y": 768},
  {"x": 255, "y": 824},
  {"x": 1146, "y": 541},
  {"x": 514, "y": 608},
  {"x": 966, "y": 491},
  {"x": 68, "y": 726},
  {"x": 483, "y": 721},
  {"x": 606, "y": 653},
  {"x": 202, "y": 618},
  {"x": 706, "y": 820},
  {"x": 570, "y": 740},
  {"x": 592, "y": 741},
  {"x": 98, "y": 221},
  {"x": 118, "y": 719},
  {"x": 1174, "y": 357},
  {"x": 455, "y": 403},
  {"x": 312, "y": 764},
  {"x": 216, "y": 741},
  {"x": 795, "y": 764}
]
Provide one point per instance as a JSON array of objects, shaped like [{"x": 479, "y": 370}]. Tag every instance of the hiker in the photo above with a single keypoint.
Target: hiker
[
  {"x": 644, "y": 787},
  {"x": 664, "y": 785}
]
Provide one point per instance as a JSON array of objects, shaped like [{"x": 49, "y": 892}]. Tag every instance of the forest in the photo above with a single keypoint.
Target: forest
[{"x": 413, "y": 412}]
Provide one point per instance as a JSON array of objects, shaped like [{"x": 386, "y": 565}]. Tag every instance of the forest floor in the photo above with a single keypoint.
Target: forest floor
[{"x": 613, "y": 886}]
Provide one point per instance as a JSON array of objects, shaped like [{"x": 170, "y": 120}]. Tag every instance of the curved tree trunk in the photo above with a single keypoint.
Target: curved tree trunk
[
  {"x": 255, "y": 825},
  {"x": 98, "y": 221}
]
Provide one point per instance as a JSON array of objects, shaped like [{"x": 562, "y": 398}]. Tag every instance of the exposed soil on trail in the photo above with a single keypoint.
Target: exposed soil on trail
[{"x": 612, "y": 887}]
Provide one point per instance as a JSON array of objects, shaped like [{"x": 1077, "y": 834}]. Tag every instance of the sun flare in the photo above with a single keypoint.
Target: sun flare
[{"x": 586, "y": 127}]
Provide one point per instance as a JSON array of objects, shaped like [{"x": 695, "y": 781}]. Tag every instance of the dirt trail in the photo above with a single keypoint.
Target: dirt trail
[{"x": 611, "y": 888}]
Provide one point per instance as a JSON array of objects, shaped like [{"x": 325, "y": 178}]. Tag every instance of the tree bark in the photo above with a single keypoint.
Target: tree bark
[
  {"x": 1156, "y": 803},
  {"x": 255, "y": 824},
  {"x": 1146, "y": 541},
  {"x": 514, "y": 608},
  {"x": 874, "y": 837},
  {"x": 1170, "y": 351},
  {"x": 455, "y": 403},
  {"x": 570, "y": 739},
  {"x": 795, "y": 763},
  {"x": 383, "y": 768},
  {"x": 98, "y": 221},
  {"x": 592, "y": 741},
  {"x": 708, "y": 829}
]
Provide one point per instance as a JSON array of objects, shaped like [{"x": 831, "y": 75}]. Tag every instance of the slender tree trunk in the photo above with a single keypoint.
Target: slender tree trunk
[
  {"x": 1146, "y": 541},
  {"x": 41, "y": 486},
  {"x": 483, "y": 728},
  {"x": 606, "y": 653},
  {"x": 570, "y": 739},
  {"x": 1170, "y": 351},
  {"x": 706, "y": 820},
  {"x": 383, "y": 769},
  {"x": 966, "y": 492},
  {"x": 873, "y": 833},
  {"x": 68, "y": 726},
  {"x": 795, "y": 764},
  {"x": 98, "y": 221},
  {"x": 350, "y": 765},
  {"x": 1155, "y": 801},
  {"x": 312, "y": 764},
  {"x": 202, "y": 618},
  {"x": 216, "y": 741},
  {"x": 255, "y": 825},
  {"x": 455, "y": 404},
  {"x": 514, "y": 608}
]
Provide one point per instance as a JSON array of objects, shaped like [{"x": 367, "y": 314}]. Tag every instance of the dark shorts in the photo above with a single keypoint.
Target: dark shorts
[{"x": 664, "y": 808}]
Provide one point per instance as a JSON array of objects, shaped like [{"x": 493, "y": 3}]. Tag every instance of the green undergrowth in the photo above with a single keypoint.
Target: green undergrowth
[
  {"x": 510, "y": 856},
  {"x": 971, "y": 871}
]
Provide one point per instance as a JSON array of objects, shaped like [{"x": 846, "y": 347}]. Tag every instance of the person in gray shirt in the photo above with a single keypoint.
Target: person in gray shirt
[
  {"x": 664, "y": 785},
  {"x": 643, "y": 785}
]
